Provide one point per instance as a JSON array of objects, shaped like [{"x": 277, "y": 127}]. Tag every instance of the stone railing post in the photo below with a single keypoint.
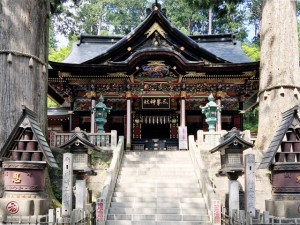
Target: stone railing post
[{"x": 114, "y": 138}]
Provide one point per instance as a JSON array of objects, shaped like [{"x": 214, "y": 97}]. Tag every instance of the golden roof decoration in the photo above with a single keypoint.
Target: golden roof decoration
[{"x": 156, "y": 27}]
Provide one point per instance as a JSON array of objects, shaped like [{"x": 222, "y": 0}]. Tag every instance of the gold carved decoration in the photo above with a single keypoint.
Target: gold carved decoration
[
  {"x": 156, "y": 27},
  {"x": 249, "y": 73},
  {"x": 195, "y": 74},
  {"x": 16, "y": 178},
  {"x": 64, "y": 74},
  {"x": 298, "y": 179},
  {"x": 156, "y": 63}
]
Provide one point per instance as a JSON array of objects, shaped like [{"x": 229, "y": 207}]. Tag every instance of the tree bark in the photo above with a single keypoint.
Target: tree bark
[
  {"x": 24, "y": 26},
  {"x": 279, "y": 67}
]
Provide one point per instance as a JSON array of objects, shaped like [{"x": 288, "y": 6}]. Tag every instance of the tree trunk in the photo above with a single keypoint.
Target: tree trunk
[
  {"x": 279, "y": 67},
  {"x": 24, "y": 26},
  {"x": 210, "y": 20}
]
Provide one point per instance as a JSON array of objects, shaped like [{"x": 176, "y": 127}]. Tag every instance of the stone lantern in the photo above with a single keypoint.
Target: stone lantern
[
  {"x": 79, "y": 160},
  {"x": 231, "y": 153},
  {"x": 210, "y": 110},
  {"x": 25, "y": 156},
  {"x": 101, "y": 111}
]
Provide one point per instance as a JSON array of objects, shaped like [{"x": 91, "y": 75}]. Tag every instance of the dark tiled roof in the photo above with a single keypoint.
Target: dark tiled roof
[
  {"x": 86, "y": 51},
  {"x": 288, "y": 118},
  {"x": 230, "y": 51}
]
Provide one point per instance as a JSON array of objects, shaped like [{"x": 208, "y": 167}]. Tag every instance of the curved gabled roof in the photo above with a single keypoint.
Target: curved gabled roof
[
  {"x": 231, "y": 137},
  {"x": 155, "y": 21},
  {"x": 80, "y": 136}
]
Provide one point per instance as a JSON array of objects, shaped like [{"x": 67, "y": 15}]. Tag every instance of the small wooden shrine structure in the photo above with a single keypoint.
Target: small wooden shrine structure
[
  {"x": 155, "y": 79},
  {"x": 25, "y": 156},
  {"x": 283, "y": 159}
]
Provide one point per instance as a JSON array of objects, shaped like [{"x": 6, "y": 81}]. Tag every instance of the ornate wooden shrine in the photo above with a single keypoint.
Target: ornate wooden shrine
[
  {"x": 283, "y": 159},
  {"x": 155, "y": 79},
  {"x": 25, "y": 156}
]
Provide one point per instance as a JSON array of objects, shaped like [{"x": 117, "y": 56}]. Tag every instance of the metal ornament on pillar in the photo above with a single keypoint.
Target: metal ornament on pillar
[
  {"x": 101, "y": 111},
  {"x": 210, "y": 110}
]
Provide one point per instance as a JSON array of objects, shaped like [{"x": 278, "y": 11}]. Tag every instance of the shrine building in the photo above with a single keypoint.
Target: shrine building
[{"x": 155, "y": 79}]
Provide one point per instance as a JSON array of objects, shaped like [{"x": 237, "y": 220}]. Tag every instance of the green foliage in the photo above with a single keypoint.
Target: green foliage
[
  {"x": 125, "y": 15},
  {"x": 252, "y": 52},
  {"x": 251, "y": 120},
  {"x": 254, "y": 9},
  {"x": 58, "y": 55},
  {"x": 52, "y": 40},
  {"x": 101, "y": 158},
  {"x": 51, "y": 104}
]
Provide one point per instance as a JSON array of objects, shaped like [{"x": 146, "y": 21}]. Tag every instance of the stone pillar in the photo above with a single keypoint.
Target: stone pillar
[
  {"x": 182, "y": 113},
  {"x": 219, "y": 117},
  {"x": 128, "y": 125},
  {"x": 93, "y": 116},
  {"x": 250, "y": 184},
  {"x": 114, "y": 138},
  {"x": 80, "y": 194},
  {"x": 234, "y": 201},
  {"x": 67, "y": 184}
]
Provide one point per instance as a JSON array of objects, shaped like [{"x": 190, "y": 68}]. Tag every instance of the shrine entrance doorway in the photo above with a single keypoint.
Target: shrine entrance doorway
[{"x": 155, "y": 130}]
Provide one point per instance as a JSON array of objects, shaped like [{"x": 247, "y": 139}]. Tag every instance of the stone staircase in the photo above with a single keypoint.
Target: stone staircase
[{"x": 157, "y": 188}]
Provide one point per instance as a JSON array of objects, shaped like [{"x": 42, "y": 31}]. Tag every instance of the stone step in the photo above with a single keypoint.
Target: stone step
[
  {"x": 172, "y": 163},
  {"x": 159, "y": 194},
  {"x": 149, "y": 211},
  {"x": 184, "y": 205},
  {"x": 157, "y": 217},
  {"x": 155, "y": 170},
  {"x": 151, "y": 180},
  {"x": 157, "y": 188},
  {"x": 160, "y": 199},
  {"x": 156, "y": 153},
  {"x": 120, "y": 188},
  {"x": 161, "y": 167},
  {"x": 124, "y": 222},
  {"x": 158, "y": 185},
  {"x": 157, "y": 173}
]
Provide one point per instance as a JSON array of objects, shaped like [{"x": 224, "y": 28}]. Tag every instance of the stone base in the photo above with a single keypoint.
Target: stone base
[
  {"x": 22, "y": 220},
  {"x": 283, "y": 208},
  {"x": 23, "y": 207}
]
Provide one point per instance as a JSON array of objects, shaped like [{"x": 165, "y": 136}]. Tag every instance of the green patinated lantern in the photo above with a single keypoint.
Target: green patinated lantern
[
  {"x": 101, "y": 111},
  {"x": 210, "y": 110}
]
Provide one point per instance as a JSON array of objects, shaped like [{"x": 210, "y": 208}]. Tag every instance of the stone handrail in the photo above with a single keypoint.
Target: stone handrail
[
  {"x": 202, "y": 175},
  {"x": 106, "y": 141},
  {"x": 110, "y": 181}
]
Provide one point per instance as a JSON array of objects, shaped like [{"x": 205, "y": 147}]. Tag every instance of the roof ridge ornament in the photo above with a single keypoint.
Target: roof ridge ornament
[{"x": 156, "y": 6}]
